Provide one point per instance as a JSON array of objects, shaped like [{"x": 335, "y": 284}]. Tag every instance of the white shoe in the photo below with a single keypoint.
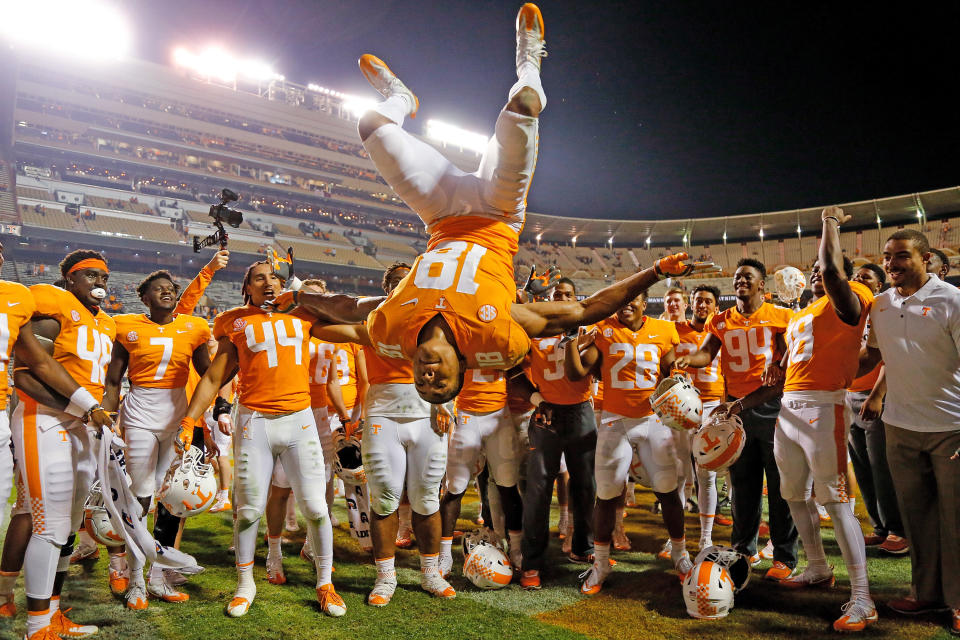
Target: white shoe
[
  {"x": 382, "y": 590},
  {"x": 531, "y": 46},
  {"x": 684, "y": 565},
  {"x": 84, "y": 552},
  {"x": 767, "y": 551},
  {"x": 220, "y": 502},
  {"x": 159, "y": 588},
  {"x": 174, "y": 578},
  {"x": 857, "y": 614},
  {"x": 239, "y": 605},
  {"x": 666, "y": 551},
  {"x": 291, "y": 523},
  {"x": 704, "y": 543},
  {"x": 306, "y": 552},
  {"x": 434, "y": 584},
  {"x": 591, "y": 580},
  {"x": 446, "y": 565},
  {"x": 137, "y": 595},
  {"x": 275, "y": 573},
  {"x": 191, "y": 570},
  {"x": 381, "y": 78}
]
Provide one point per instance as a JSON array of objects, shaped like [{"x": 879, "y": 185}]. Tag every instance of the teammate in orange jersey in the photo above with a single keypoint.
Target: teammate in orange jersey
[
  {"x": 823, "y": 348},
  {"x": 483, "y": 430},
  {"x": 53, "y": 448},
  {"x": 16, "y": 336},
  {"x": 749, "y": 338},
  {"x": 709, "y": 382},
  {"x": 273, "y": 421},
  {"x": 155, "y": 351},
  {"x": 631, "y": 353}
]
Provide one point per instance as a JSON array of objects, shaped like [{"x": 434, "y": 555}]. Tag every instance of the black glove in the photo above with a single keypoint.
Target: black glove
[
  {"x": 539, "y": 285},
  {"x": 221, "y": 406}
]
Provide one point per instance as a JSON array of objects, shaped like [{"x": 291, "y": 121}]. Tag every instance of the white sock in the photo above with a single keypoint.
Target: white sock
[
  {"x": 37, "y": 620},
  {"x": 678, "y": 546},
  {"x": 273, "y": 547},
  {"x": 601, "y": 554},
  {"x": 706, "y": 527},
  {"x": 807, "y": 519},
  {"x": 405, "y": 517},
  {"x": 385, "y": 568},
  {"x": 54, "y": 604},
  {"x": 429, "y": 563},
  {"x": 395, "y": 108},
  {"x": 850, "y": 540},
  {"x": 246, "y": 587},
  {"x": 320, "y": 534},
  {"x": 118, "y": 562},
  {"x": 8, "y": 579},
  {"x": 446, "y": 545},
  {"x": 528, "y": 76}
]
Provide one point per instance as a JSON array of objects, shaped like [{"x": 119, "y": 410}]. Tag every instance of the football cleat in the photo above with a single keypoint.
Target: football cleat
[
  {"x": 704, "y": 543},
  {"x": 530, "y": 580},
  {"x": 67, "y": 628},
  {"x": 238, "y": 607},
  {"x": 275, "y": 573},
  {"x": 591, "y": 580},
  {"x": 137, "y": 596},
  {"x": 434, "y": 584},
  {"x": 291, "y": 524},
  {"x": 8, "y": 608},
  {"x": 84, "y": 552},
  {"x": 531, "y": 46},
  {"x": 755, "y": 560},
  {"x": 620, "y": 540},
  {"x": 767, "y": 552},
  {"x": 809, "y": 579},
  {"x": 895, "y": 545},
  {"x": 778, "y": 572},
  {"x": 161, "y": 590},
  {"x": 857, "y": 614},
  {"x": 404, "y": 538},
  {"x": 222, "y": 503},
  {"x": 722, "y": 520},
  {"x": 174, "y": 578},
  {"x": 119, "y": 582},
  {"x": 331, "y": 603},
  {"x": 387, "y": 84},
  {"x": 567, "y": 545},
  {"x": 47, "y": 633},
  {"x": 306, "y": 553},
  {"x": 382, "y": 591},
  {"x": 446, "y": 565},
  {"x": 822, "y": 512},
  {"x": 664, "y": 553},
  {"x": 684, "y": 566}
]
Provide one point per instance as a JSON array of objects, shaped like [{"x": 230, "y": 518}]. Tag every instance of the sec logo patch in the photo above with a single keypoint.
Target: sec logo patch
[
  {"x": 487, "y": 313},
  {"x": 239, "y": 324},
  {"x": 132, "y": 336},
  {"x": 75, "y": 315},
  {"x": 607, "y": 332}
]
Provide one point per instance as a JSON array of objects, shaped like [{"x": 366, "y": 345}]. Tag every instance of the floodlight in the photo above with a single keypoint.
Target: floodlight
[
  {"x": 81, "y": 29},
  {"x": 453, "y": 135},
  {"x": 217, "y": 64},
  {"x": 358, "y": 106}
]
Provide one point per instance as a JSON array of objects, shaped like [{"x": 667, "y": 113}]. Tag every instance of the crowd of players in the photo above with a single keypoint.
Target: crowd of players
[{"x": 454, "y": 372}]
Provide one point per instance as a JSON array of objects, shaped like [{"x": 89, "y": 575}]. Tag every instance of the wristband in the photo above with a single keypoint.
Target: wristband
[
  {"x": 536, "y": 399},
  {"x": 834, "y": 218},
  {"x": 220, "y": 407},
  {"x": 657, "y": 271},
  {"x": 81, "y": 402}
]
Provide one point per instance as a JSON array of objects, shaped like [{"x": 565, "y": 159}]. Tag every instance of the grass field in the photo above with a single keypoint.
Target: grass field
[{"x": 641, "y": 599}]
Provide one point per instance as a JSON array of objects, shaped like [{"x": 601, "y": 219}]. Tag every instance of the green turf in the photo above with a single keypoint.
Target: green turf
[{"x": 641, "y": 599}]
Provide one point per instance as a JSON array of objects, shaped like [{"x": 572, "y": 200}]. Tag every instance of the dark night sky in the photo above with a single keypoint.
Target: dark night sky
[{"x": 663, "y": 109}]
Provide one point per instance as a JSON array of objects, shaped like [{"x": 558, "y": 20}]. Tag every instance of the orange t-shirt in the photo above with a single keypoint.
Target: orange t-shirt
[
  {"x": 631, "y": 363},
  {"x": 707, "y": 380},
  {"x": 386, "y": 370},
  {"x": 273, "y": 351},
  {"x": 466, "y": 276},
  {"x": 160, "y": 355},
  {"x": 547, "y": 373},
  {"x": 16, "y": 309},
  {"x": 824, "y": 349},
  {"x": 85, "y": 341},
  {"x": 344, "y": 364},
  {"x": 321, "y": 357},
  {"x": 484, "y": 390},
  {"x": 748, "y": 344}
]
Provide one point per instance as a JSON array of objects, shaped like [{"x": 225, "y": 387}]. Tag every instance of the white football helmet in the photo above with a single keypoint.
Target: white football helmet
[
  {"x": 348, "y": 462},
  {"x": 190, "y": 486},
  {"x": 718, "y": 443},
  {"x": 472, "y": 538},
  {"x": 708, "y": 591},
  {"x": 736, "y": 564},
  {"x": 488, "y": 567},
  {"x": 789, "y": 283},
  {"x": 96, "y": 519},
  {"x": 677, "y": 403}
]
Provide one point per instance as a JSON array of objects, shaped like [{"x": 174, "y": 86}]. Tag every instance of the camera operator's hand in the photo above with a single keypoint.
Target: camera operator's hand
[{"x": 219, "y": 260}]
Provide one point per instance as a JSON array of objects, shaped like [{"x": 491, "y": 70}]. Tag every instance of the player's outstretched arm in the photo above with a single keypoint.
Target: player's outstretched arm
[
  {"x": 845, "y": 302},
  {"x": 702, "y": 357},
  {"x": 339, "y": 333},
  {"x": 333, "y": 308}
]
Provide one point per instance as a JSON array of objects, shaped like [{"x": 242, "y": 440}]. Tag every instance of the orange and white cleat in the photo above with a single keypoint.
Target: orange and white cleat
[
  {"x": 161, "y": 590},
  {"x": 591, "y": 580},
  {"x": 84, "y": 552},
  {"x": 222, "y": 503},
  {"x": 137, "y": 596},
  {"x": 387, "y": 84},
  {"x": 530, "y": 580},
  {"x": 119, "y": 583},
  {"x": 382, "y": 591},
  {"x": 778, "y": 572},
  {"x": 67, "y": 628},
  {"x": 239, "y": 606},
  {"x": 275, "y": 573},
  {"x": 331, "y": 603},
  {"x": 857, "y": 614},
  {"x": 8, "y": 608},
  {"x": 620, "y": 540},
  {"x": 404, "y": 538},
  {"x": 531, "y": 46},
  {"x": 666, "y": 550},
  {"x": 767, "y": 552},
  {"x": 434, "y": 584},
  {"x": 47, "y": 633},
  {"x": 808, "y": 579}
]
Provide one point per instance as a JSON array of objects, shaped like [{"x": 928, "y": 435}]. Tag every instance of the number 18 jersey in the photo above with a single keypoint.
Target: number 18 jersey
[
  {"x": 16, "y": 309},
  {"x": 273, "y": 351}
]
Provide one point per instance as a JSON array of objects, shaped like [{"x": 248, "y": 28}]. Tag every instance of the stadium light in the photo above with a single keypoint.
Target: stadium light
[
  {"x": 798, "y": 229},
  {"x": 453, "y": 135},
  {"x": 919, "y": 215},
  {"x": 610, "y": 241},
  {"x": 761, "y": 234},
  {"x": 648, "y": 242},
  {"x": 539, "y": 235},
  {"x": 216, "y": 63},
  {"x": 89, "y": 30},
  {"x": 574, "y": 241},
  {"x": 357, "y": 106}
]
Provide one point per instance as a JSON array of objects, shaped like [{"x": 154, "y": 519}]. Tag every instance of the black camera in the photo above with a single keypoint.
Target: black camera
[{"x": 221, "y": 213}]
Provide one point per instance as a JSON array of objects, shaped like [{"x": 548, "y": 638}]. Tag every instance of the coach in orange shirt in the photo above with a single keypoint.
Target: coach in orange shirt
[{"x": 749, "y": 338}]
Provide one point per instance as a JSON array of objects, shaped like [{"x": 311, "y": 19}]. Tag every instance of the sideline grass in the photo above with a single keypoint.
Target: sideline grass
[{"x": 641, "y": 599}]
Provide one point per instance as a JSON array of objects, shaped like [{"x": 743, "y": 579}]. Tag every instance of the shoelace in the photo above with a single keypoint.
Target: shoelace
[
  {"x": 855, "y": 609},
  {"x": 532, "y": 45}
]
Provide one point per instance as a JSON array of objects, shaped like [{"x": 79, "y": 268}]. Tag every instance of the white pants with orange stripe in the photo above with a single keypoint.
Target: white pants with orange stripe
[
  {"x": 810, "y": 446},
  {"x": 322, "y": 418},
  {"x": 403, "y": 452},
  {"x": 260, "y": 440},
  {"x": 491, "y": 435},
  {"x": 618, "y": 437},
  {"x": 6, "y": 464},
  {"x": 435, "y": 188}
]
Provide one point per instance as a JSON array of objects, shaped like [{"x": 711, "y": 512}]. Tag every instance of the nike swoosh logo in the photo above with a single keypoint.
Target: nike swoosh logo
[
  {"x": 305, "y": 427},
  {"x": 654, "y": 335},
  {"x": 812, "y": 421},
  {"x": 410, "y": 301},
  {"x": 12, "y": 304},
  {"x": 764, "y": 322},
  {"x": 178, "y": 331}
]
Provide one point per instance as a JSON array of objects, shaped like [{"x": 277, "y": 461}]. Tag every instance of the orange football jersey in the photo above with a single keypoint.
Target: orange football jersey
[
  {"x": 85, "y": 341},
  {"x": 824, "y": 349},
  {"x": 16, "y": 309},
  {"x": 707, "y": 380},
  {"x": 194, "y": 291},
  {"x": 321, "y": 357},
  {"x": 273, "y": 351},
  {"x": 160, "y": 355},
  {"x": 344, "y": 365},
  {"x": 748, "y": 344},
  {"x": 631, "y": 363},
  {"x": 466, "y": 276},
  {"x": 386, "y": 370},
  {"x": 484, "y": 390},
  {"x": 547, "y": 373}
]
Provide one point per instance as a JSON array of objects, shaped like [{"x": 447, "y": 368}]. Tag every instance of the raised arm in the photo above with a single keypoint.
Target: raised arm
[
  {"x": 329, "y": 307},
  {"x": 339, "y": 333},
  {"x": 845, "y": 302},
  {"x": 194, "y": 291}
]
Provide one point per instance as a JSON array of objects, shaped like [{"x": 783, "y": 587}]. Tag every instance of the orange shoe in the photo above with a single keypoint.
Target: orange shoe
[
  {"x": 67, "y": 628},
  {"x": 119, "y": 583},
  {"x": 387, "y": 84},
  {"x": 856, "y": 616},
  {"x": 778, "y": 572},
  {"x": 238, "y": 607},
  {"x": 808, "y": 579},
  {"x": 664, "y": 553},
  {"x": 723, "y": 521},
  {"x": 137, "y": 597},
  {"x": 530, "y": 580},
  {"x": 331, "y": 603},
  {"x": 404, "y": 538},
  {"x": 161, "y": 590},
  {"x": 275, "y": 573},
  {"x": 47, "y": 633},
  {"x": 8, "y": 608},
  {"x": 764, "y": 530},
  {"x": 382, "y": 591},
  {"x": 530, "y": 36}
]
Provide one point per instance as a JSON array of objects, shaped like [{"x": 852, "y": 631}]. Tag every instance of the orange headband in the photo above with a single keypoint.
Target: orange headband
[{"x": 89, "y": 263}]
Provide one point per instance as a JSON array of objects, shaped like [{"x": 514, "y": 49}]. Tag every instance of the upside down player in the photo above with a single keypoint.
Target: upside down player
[
  {"x": 273, "y": 421},
  {"x": 53, "y": 448},
  {"x": 823, "y": 347}
]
